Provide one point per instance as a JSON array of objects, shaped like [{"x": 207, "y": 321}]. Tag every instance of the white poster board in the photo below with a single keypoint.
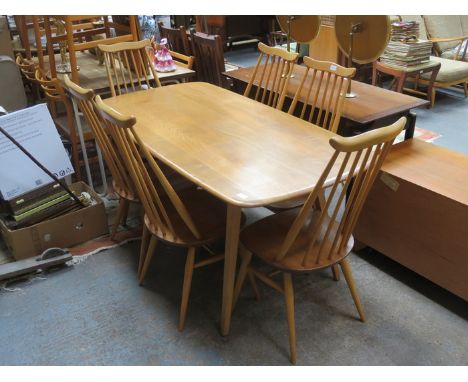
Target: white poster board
[{"x": 34, "y": 129}]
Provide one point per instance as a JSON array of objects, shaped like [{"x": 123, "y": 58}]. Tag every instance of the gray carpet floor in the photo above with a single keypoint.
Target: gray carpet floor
[{"x": 94, "y": 313}]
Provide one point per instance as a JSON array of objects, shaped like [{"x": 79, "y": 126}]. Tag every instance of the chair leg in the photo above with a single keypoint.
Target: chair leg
[
  {"x": 246, "y": 258},
  {"x": 336, "y": 272},
  {"x": 465, "y": 88},
  {"x": 289, "y": 297},
  {"x": 186, "y": 287},
  {"x": 346, "y": 268},
  {"x": 251, "y": 277},
  {"x": 143, "y": 247},
  {"x": 148, "y": 257},
  {"x": 123, "y": 206}
]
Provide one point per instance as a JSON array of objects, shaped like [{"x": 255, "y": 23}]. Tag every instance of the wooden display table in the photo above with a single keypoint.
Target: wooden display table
[
  {"x": 417, "y": 213},
  {"x": 94, "y": 76},
  {"x": 373, "y": 107},
  {"x": 402, "y": 74}
]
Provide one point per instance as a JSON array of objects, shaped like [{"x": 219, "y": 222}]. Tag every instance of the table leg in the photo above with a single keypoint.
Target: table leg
[
  {"x": 230, "y": 257},
  {"x": 430, "y": 88},
  {"x": 410, "y": 125}
]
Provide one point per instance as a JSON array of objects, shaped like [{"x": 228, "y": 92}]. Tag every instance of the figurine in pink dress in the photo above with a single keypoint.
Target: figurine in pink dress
[{"x": 163, "y": 61}]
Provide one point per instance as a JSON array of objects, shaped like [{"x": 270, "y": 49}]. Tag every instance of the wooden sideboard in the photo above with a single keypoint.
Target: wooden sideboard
[{"x": 417, "y": 213}]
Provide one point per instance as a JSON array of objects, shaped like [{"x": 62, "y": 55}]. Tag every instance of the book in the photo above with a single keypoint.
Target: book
[{"x": 404, "y": 48}]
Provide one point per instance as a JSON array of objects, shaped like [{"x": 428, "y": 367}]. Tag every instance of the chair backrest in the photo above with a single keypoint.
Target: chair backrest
[
  {"x": 322, "y": 91},
  {"x": 446, "y": 26},
  {"x": 84, "y": 99},
  {"x": 356, "y": 162},
  {"x": 209, "y": 57},
  {"x": 271, "y": 76},
  {"x": 149, "y": 188},
  {"x": 52, "y": 88},
  {"x": 27, "y": 67},
  {"x": 177, "y": 39},
  {"x": 129, "y": 67}
]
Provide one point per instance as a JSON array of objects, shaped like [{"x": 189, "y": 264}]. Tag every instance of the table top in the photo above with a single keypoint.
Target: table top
[
  {"x": 431, "y": 64},
  {"x": 240, "y": 150},
  {"x": 432, "y": 167},
  {"x": 372, "y": 103},
  {"x": 94, "y": 76}
]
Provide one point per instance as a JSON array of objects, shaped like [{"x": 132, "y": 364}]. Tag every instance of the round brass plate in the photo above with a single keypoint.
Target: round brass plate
[
  {"x": 370, "y": 43},
  {"x": 303, "y": 28}
]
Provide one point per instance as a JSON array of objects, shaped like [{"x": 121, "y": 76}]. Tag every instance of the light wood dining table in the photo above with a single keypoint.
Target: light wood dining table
[{"x": 239, "y": 150}]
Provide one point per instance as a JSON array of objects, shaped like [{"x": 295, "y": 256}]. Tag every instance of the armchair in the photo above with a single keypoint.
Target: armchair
[{"x": 453, "y": 71}]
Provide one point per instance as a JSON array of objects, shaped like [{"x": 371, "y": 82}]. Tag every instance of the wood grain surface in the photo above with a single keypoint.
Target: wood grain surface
[
  {"x": 372, "y": 103},
  {"x": 240, "y": 150}
]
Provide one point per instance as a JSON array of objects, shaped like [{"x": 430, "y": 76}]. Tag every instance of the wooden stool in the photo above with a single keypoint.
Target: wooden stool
[{"x": 412, "y": 73}]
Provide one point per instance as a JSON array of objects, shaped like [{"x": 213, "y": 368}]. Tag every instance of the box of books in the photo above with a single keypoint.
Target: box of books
[{"x": 64, "y": 229}]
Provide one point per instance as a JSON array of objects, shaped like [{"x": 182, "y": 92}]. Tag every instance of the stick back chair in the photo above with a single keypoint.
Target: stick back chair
[
  {"x": 306, "y": 239},
  {"x": 64, "y": 120},
  {"x": 128, "y": 67},
  {"x": 28, "y": 70},
  {"x": 271, "y": 75},
  {"x": 190, "y": 218},
  {"x": 177, "y": 39},
  {"x": 122, "y": 182},
  {"x": 322, "y": 91},
  {"x": 80, "y": 32},
  {"x": 324, "y": 86},
  {"x": 209, "y": 58}
]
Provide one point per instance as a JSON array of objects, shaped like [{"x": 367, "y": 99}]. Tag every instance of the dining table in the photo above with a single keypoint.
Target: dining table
[{"x": 241, "y": 151}]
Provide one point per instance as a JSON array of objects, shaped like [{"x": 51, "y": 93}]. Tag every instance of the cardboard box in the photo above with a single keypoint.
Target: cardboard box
[{"x": 64, "y": 231}]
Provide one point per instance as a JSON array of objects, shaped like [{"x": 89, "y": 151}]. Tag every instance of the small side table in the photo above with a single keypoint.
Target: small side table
[{"x": 402, "y": 74}]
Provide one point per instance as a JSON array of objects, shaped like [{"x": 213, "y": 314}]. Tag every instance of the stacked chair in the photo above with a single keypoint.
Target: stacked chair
[{"x": 63, "y": 116}]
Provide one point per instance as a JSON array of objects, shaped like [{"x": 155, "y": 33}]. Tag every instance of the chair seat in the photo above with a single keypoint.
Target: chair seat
[
  {"x": 277, "y": 207},
  {"x": 450, "y": 70},
  {"x": 265, "y": 237},
  {"x": 208, "y": 214},
  {"x": 177, "y": 181},
  {"x": 123, "y": 192}
]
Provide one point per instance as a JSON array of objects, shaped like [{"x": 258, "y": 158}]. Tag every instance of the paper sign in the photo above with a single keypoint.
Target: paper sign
[
  {"x": 34, "y": 129},
  {"x": 389, "y": 181}
]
